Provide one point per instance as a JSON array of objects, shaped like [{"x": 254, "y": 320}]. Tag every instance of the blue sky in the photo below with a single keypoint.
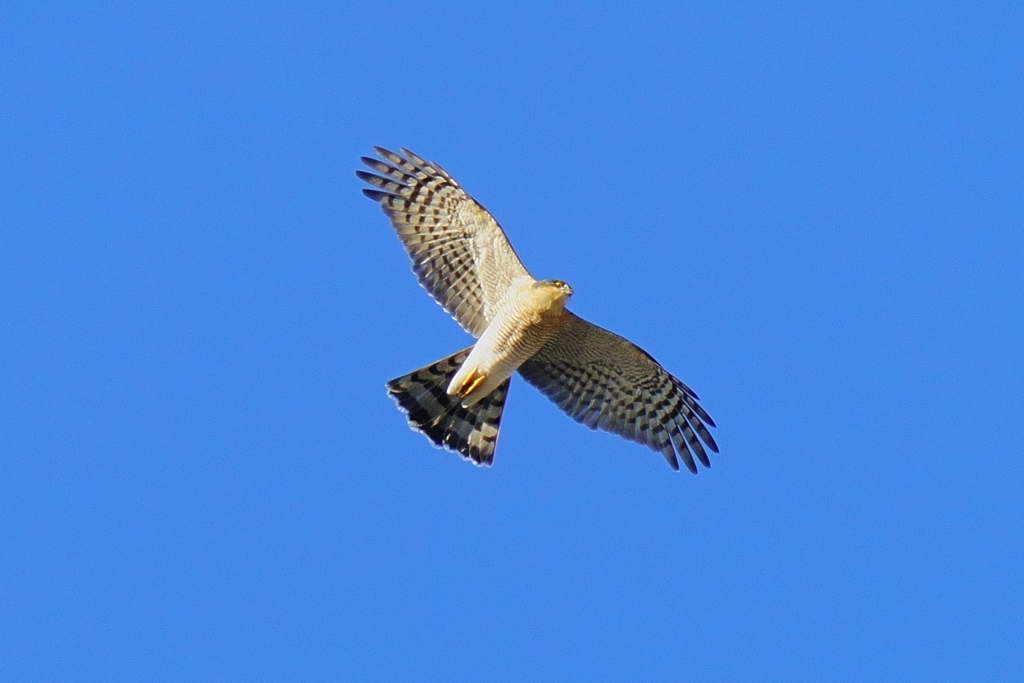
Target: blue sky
[{"x": 811, "y": 213}]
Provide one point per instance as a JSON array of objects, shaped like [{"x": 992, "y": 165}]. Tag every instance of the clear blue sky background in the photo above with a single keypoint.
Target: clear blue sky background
[{"x": 811, "y": 213}]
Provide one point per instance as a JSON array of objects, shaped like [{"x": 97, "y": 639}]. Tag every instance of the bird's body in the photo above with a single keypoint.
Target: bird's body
[
  {"x": 464, "y": 260},
  {"x": 528, "y": 316}
]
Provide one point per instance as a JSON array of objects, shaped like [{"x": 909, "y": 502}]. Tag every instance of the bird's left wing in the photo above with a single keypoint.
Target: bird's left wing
[
  {"x": 606, "y": 382},
  {"x": 459, "y": 252}
]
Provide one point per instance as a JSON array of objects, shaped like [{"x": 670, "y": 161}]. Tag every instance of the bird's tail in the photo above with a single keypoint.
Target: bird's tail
[{"x": 471, "y": 432}]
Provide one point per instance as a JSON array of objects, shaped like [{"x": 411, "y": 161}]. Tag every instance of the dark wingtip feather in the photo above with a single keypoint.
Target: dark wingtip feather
[
  {"x": 413, "y": 157},
  {"x": 709, "y": 440},
  {"x": 376, "y": 195},
  {"x": 670, "y": 457},
  {"x": 702, "y": 456},
  {"x": 389, "y": 156},
  {"x": 684, "y": 454},
  {"x": 682, "y": 385}
]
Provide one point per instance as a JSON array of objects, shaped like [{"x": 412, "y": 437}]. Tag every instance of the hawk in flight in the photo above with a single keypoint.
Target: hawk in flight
[{"x": 464, "y": 260}]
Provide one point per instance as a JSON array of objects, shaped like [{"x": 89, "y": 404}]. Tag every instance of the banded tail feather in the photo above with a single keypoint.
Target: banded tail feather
[{"x": 471, "y": 432}]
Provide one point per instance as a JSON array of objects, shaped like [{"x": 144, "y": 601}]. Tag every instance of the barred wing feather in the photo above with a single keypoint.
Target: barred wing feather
[
  {"x": 459, "y": 253},
  {"x": 606, "y": 382}
]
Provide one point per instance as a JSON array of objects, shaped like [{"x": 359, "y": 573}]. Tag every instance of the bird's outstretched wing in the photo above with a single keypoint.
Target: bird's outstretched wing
[
  {"x": 459, "y": 252},
  {"x": 606, "y": 382}
]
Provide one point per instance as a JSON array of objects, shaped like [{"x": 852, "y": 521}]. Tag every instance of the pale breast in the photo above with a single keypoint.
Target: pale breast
[
  {"x": 527, "y": 317},
  {"x": 524, "y": 324}
]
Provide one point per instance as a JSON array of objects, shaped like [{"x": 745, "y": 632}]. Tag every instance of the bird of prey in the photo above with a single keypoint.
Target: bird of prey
[{"x": 462, "y": 257}]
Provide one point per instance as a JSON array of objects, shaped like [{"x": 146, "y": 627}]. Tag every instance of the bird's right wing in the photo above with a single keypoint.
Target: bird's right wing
[
  {"x": 459, "y": 252},
  {"x": 606, "y": 382}
]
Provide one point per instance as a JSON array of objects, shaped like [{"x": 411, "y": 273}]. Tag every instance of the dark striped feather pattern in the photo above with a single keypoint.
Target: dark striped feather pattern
[
  {"x": 471, "y": 432},
  {"x": 459, "y": 253},
  {"x": 606, "y": 382}
]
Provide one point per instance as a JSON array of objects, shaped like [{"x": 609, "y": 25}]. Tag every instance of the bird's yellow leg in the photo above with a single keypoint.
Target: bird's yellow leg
[{"x": 473, "y": 380}]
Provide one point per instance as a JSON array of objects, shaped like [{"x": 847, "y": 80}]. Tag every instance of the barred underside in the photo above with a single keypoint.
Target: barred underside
[{"x": 471, "y": 432}]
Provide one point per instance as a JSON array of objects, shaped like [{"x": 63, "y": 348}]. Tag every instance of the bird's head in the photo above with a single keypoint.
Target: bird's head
[{"x": 556, "y": 289}]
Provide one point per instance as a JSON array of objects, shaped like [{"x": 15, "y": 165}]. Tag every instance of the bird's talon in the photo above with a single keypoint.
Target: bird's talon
[{"x": 473, "y": 381}]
